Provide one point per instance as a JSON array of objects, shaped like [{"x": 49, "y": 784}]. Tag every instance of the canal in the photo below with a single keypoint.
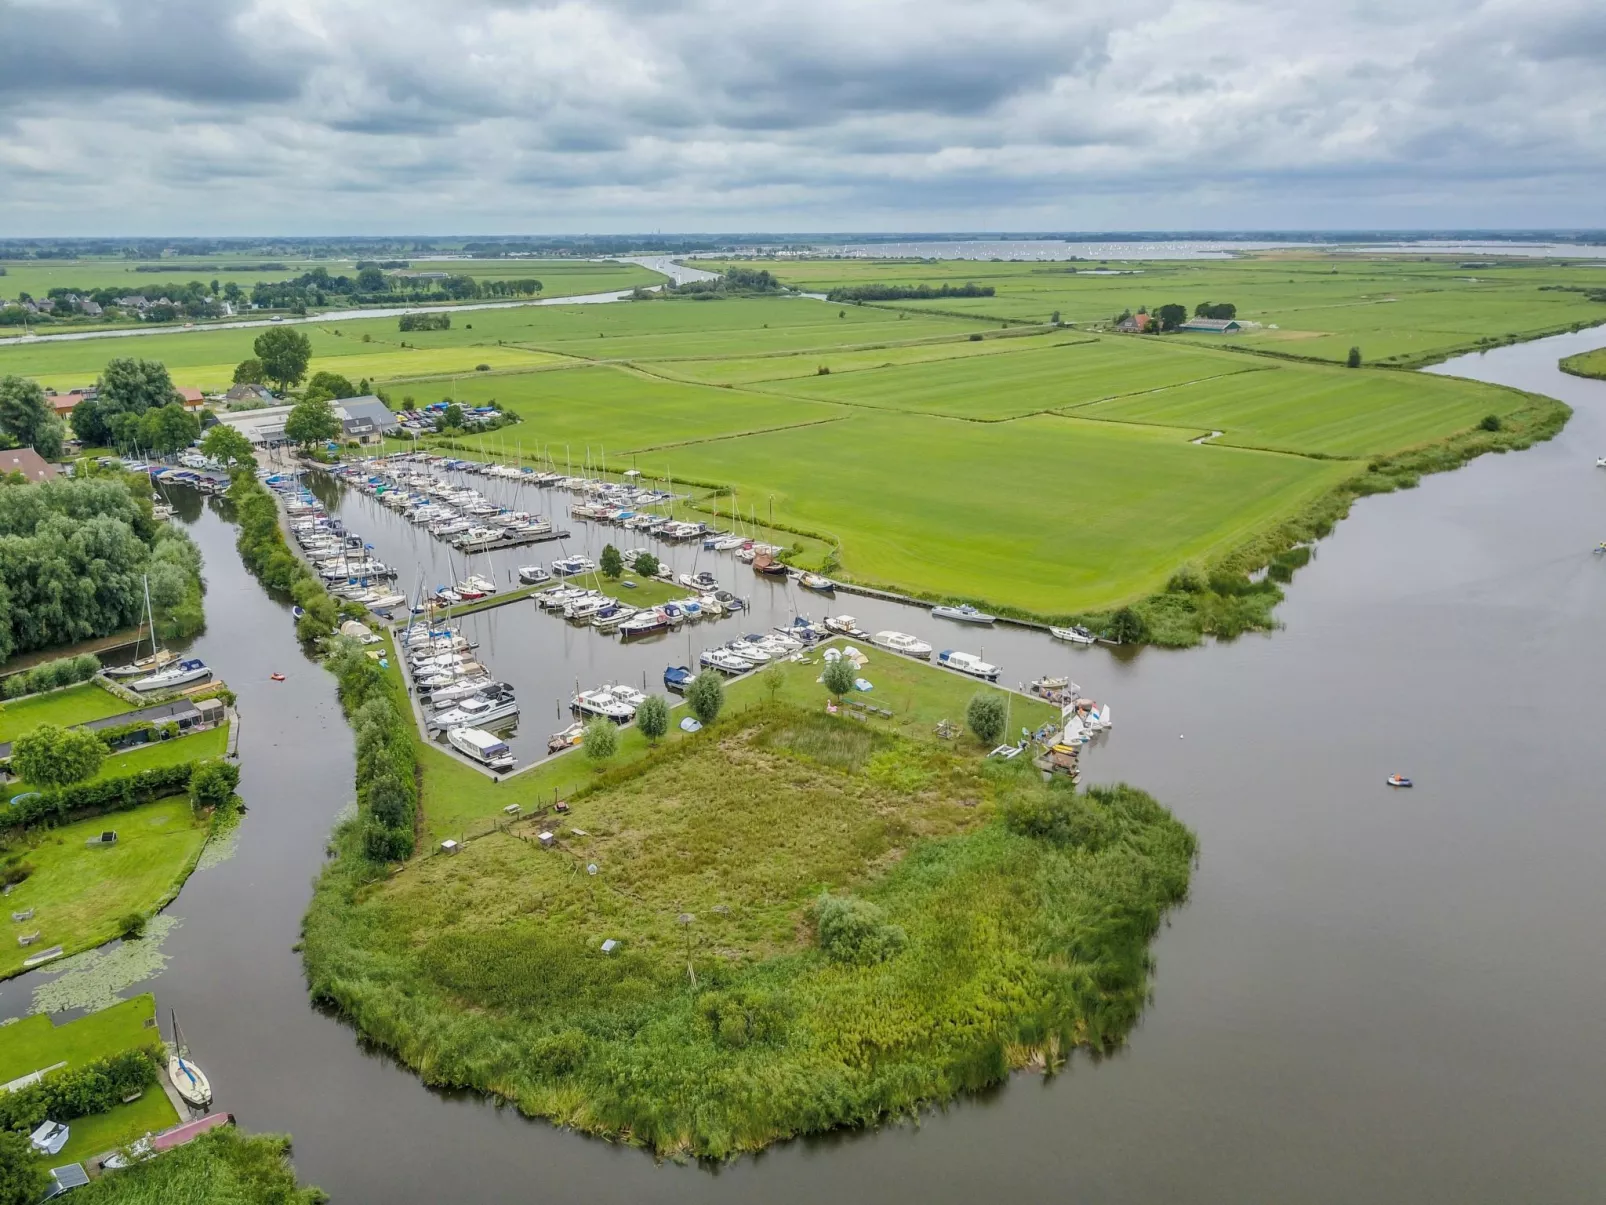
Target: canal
[{"x": 1371, "y": 995}]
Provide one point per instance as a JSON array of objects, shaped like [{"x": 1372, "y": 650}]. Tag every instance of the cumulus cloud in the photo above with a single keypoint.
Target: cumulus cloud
[{"x": 234, "y": 116}]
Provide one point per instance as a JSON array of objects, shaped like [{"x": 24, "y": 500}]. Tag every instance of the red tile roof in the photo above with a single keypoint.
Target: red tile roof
[{"x": 27, "y": 462}]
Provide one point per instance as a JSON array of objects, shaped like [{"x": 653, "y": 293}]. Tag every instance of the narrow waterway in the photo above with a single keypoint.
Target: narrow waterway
[{"x": 1371, "y": 995}]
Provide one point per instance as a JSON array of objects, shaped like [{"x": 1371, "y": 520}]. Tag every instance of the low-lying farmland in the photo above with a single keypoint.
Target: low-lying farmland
[
  {"x": 1033, "y": 380},
  {"x": 1325, "y": 411},
  {"x": 1050, "y": 514}
]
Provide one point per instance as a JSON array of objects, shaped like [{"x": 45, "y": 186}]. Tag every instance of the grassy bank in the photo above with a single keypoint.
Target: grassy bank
[
  {"x": 81, "y": 894},
  {"x": 193, "y": 747},
  {"x": 1586, "y": 364},
  {"x": 970, "y": 936},
  {"x": 222, "y": 1166}
]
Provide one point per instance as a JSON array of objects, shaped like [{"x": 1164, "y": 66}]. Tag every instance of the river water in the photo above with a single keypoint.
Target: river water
[{"x": 1371, "y": 995}]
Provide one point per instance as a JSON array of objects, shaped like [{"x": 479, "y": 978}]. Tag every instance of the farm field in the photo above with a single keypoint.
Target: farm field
[
  {"x": 624, "y": 411},
  {"x": 1032, "y": 380},
  {"x": 1051, "y": 514},
  {"x": 1395, "y": 308},
  {"x": 1321, "y": 411},
  {"x": 81, "y": 893}
]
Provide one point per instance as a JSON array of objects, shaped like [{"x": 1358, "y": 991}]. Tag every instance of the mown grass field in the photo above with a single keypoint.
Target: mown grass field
[
  {"x": 1029, "y": 381},
  {"x": 1394, "y": 307},
  {"x": 75, "y": 705},
  {"x": 725, "y": 1020},
  {"x": 1325, "y": 411},
  {"x": 34, "y": 1043},
  {"x": 192, "y": 747},
  {"x": 80, "y": 893},
  {"x": 1052, "y": 514}
]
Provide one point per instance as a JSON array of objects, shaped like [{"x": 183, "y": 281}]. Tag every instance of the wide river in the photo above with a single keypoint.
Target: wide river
[{"x": 1371, "y": 995}]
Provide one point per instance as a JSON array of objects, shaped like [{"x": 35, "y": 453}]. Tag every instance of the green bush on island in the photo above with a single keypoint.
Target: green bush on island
[{"x": 740, "y": 1005}]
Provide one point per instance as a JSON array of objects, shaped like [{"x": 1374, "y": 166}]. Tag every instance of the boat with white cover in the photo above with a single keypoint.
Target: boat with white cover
[
  {"x": 968, "y": 663},
  {"x": 963, "y": 613},
  {"x": 191, "y": 669},
  {"x": 902, "y": 642},
  {"x": 484, "y": 747}
]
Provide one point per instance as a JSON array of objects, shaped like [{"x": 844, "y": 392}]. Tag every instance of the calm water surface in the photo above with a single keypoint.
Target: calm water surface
[{"x": 1371, "y": 995}]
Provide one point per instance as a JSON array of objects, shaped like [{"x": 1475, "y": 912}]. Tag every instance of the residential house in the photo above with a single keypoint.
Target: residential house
[
  {"x": 247, "y": 392},
  {"x": 1133, "y": 324},
  {"x": 27, "y": 462}
]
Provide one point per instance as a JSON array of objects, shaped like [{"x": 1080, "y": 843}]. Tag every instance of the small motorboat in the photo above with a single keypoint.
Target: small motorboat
[
  {"x": 902, "y": 642},
  {"x": 1600, "y": 462},
  {"x": 276, "y": 677},
  {"x": 571, "y": 736},
  {"x": 1398, "y": 780},
  {"x": 963, "y": 613},
  {"x": 968, "y": 663},
  {"x": 298, "y": 612},
  {"x": 677, "y": 678},
  {"x": 1076, "y": 634},
  {"x": 813, "y": 581}
]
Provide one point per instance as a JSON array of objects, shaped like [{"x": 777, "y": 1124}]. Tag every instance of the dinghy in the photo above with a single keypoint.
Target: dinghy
[{"x": 1398, "y": 780}]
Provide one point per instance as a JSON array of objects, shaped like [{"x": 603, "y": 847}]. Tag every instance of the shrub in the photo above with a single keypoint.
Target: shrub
[
  {"x": 706, "y": 695},
  {"x": 601, "y": 739},
  {"x": 96, "y": 798},
  {"x": 1190, "y": 579},
  {"x": 1491, "y": 422},
  {"x": 838, "y": 676},
  {"x": 652, "y": 717},
  {"x": 212, "y": 784},
  {"x": 975, "y": 338},
  {"x": 80, "y": 1091},
  {"x": 855, "y": 931},
  {"x": 131, "y": 926},
  {"x": 987, "y": 715},
  {"x": 558, "y": 1054},
  {"x": 647, "y": 565},
  {"x": 743, "y": 1016},
  {"x": 1127, "y": 627},
  {"x": 1056, "y": 814},
  {"x": 1353, "y": 360}
]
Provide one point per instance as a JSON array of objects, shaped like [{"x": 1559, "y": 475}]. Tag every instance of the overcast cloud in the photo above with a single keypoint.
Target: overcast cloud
[{"x": 428, "y": 116}]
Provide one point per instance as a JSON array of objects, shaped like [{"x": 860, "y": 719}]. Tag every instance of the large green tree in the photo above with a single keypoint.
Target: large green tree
[
  {"x": 56, "y": 757},
  {"x": 223, "y": 444},
  {"x": 134, "y": 385},
  {"x": 329, "y": 386},
  {"x": 27, "y": 416},
  {"x": 285, "y": 353},
  {"x": 311, "y": 421},
  {"x": 168, "y": 428},
  {"x": 706, "y": 695},
  {"x": 249, "y": 372}
]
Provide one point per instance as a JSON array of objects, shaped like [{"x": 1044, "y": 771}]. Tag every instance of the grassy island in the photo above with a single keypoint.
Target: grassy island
[
  {"x": 819, "y": 924},
  {"x": 1587, "y": 364}
]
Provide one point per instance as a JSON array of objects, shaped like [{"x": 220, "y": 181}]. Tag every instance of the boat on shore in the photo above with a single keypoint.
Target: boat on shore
[
  {"x": 963, "y": 613},
  {"x": 968, "y": 663},
  {"x": 902, "y": 642},
  {"x": 490, "y": 750}
]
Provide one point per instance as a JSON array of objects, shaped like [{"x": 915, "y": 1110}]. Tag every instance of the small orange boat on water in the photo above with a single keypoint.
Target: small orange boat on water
[{"x": 277, "y": 677}]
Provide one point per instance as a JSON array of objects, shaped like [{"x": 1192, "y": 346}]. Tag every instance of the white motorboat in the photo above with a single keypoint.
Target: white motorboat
[
  {"x": 476, "y": 713},
  {"x": 448, "y": 697},
  {"x": 1073, "y": 635},
  {"x": 181, "y": 674},
  {"x": 902, "y": 642},
  {"x": 533, "y": 575},
  {"x": 748, "y": 652},
  {"x": 1600, "y": 462},
  {"x": 628, "y": 695},
  {"x": 586, "y": 607},
  {"x": 573, "y": 566},
  {"x": 963, "y": 613},
  {"x": 725, "y": 661},
  {"x": 845, "y": 625},
  {"x": 603, "y": 703},
  {"x": 968, "y": 663},
  {"x": 484, "y": 747}
]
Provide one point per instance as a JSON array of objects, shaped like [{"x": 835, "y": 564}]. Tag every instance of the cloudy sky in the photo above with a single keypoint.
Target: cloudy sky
[{"x": 473, "y": 116}]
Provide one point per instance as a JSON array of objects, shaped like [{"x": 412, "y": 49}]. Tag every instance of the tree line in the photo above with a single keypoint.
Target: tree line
[
  {"x": 923, "y": 292},
  {"x": 372, "y": 284}
]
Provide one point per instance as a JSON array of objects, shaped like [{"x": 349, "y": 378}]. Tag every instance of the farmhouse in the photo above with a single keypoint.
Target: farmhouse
[
  {"x": 1133, "y": 323},
  {"x": 27, "y": 462},
  {"x": 248, "y": 393},
  {"x": 1212, "y": 326}
]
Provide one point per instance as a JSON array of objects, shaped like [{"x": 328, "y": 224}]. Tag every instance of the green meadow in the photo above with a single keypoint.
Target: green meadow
[
  {"x": 1396, "y": 308},
  {"x": 73, "y": 705},
  {"x": 80, "y": 893},
  {"x": 1586, "y": 364}
]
